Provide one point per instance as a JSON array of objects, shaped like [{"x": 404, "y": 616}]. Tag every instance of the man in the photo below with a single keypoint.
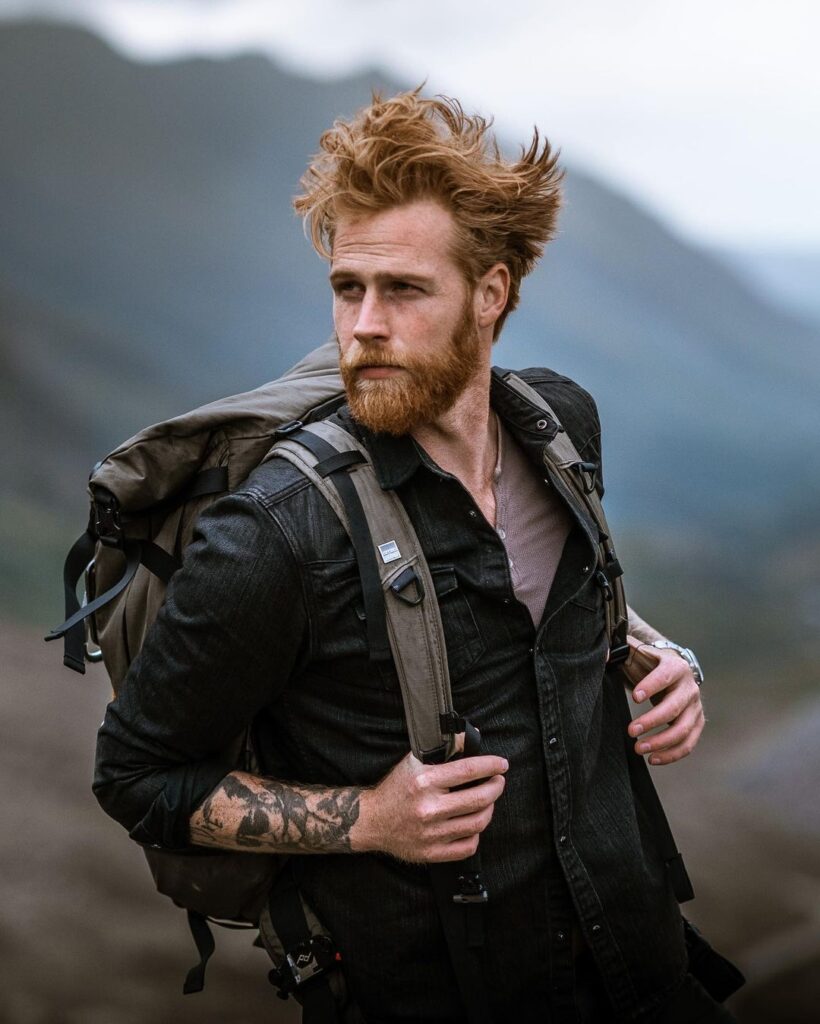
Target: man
[{"x": 429, "y": 232}]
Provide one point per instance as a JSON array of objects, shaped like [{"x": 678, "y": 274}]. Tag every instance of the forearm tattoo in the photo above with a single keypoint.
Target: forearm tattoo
[{"x": 249, "y": 813}]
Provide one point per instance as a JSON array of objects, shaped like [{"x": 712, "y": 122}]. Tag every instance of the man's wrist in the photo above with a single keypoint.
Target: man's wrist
[
  {"x": 362, "y": 834},
  {"x": 686, "y": 653}
]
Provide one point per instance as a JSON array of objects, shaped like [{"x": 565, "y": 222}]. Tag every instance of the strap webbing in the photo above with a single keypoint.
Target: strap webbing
[
  {"x": 136, "y": 552},
  {"x": 287, "y": 917},
  {"x": 78, "y": 557},
  {"x": 205, "y": 945},
  {"x": 208, "y": 481},
  {"x": 331, "y": 464}
]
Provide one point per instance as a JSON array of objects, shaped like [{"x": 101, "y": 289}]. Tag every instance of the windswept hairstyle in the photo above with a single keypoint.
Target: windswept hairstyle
[{"x": 406, "y": 148}]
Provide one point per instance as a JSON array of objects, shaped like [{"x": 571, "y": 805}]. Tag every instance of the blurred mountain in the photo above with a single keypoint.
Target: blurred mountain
[
  {"x": 790, "y": 277},
  {"x": 150, "y": 262}
]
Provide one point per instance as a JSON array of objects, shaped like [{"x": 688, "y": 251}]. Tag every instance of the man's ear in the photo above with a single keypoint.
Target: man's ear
[{"x": 492, "y": 293}]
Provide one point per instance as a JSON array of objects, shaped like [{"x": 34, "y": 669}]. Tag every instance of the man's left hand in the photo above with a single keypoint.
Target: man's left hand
[{"x": 671, "y": 688}]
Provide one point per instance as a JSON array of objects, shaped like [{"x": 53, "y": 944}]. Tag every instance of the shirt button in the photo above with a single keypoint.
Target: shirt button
[
  {"x": 472, "y": 513},
  {"x": 553, "y": 740},
  {"x": 506, "y": 600},
  {"x": 595, "y": 929},
  {"x": 541, "y": 424},
  {"x": 560, "y": 936},
  {"x": 501, "y": 533},
  {"x": 585, "y": 570},
  {"x": 562, "y": 840},
  {"x": 531, "y": 650}
]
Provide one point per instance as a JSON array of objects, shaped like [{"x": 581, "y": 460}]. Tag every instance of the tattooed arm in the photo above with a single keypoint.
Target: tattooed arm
[
  {"x": 249, "y": 813},
  {"x": 417, "y": 812}
]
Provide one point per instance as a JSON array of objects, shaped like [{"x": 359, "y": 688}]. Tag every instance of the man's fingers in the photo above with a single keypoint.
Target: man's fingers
[
  {"x": 464, "y": 826},
  {"x": 687, "y": 727},
  {"x": 671, "y": 669},
  {"x": 469, "y": 801},
  {"x": 668, "y": 710},
  {"x": 676, "y": 753},
  {"x": 467, "y": 769}
]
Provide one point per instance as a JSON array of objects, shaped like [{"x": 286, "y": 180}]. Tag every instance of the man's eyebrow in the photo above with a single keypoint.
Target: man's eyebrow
[{"x": 381, "y": 276}]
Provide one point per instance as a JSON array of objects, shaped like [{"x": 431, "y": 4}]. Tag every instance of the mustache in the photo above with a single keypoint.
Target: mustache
[{"x": 365, "y": 361}]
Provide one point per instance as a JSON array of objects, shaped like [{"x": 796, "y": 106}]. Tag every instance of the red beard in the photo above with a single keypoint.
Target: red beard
[{"x": 427, "y": 388}]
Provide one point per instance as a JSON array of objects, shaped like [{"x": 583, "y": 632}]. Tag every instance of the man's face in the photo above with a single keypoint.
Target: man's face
[{"x": 404, "y": 317}]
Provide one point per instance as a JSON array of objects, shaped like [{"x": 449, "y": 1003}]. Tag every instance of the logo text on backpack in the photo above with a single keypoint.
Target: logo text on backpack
[{"x": 389, "y": 551}]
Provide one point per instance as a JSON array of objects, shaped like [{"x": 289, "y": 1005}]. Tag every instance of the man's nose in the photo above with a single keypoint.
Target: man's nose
[{"x": 372, "y": 322}]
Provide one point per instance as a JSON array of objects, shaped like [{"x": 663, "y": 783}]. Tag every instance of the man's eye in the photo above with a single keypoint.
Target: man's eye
[
  {"x": 347, "y": 288},
  {"x": 403, "y": 286}
]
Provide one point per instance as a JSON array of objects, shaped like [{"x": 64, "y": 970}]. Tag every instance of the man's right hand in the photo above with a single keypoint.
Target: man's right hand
[{"x": 414, "y": 815}]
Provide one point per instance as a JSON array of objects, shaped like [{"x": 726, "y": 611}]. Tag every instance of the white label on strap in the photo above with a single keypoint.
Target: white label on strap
[{"x": 389, "y": 551}]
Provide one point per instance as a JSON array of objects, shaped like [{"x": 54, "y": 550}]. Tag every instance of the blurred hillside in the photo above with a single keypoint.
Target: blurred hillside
[{"x": 149, "y": 262}]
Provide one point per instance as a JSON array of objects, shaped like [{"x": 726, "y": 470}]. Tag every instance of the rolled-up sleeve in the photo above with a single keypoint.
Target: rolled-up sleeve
[{"x": 225, "y": 642}]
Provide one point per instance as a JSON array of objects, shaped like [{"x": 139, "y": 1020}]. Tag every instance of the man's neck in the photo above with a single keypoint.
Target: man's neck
[{"x": 463, "y": 442}]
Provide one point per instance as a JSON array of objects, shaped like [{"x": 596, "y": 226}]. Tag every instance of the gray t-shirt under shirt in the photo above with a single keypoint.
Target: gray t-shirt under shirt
[{"x": 532, "y": 522}]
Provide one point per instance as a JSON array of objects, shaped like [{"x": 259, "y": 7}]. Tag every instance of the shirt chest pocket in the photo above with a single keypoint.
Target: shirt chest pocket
[
  {"x": 463, "y": 640},
  {"x": 340, "y": 637}
]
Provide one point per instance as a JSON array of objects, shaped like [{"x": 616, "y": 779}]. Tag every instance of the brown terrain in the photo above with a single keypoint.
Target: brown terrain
[{"x": 84, "y": 939}]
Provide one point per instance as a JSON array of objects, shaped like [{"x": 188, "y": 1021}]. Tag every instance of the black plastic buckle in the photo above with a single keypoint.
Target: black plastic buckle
[
  {"x": 107, "y": 522},
  {"x": 588, "y": 472},
  {"x": 613, "y": 567},
  {"x": 402, "y": 581},
  {"x": 451, "y": 723},
  {"x": 603, "y": 582},
  {"x": 303, "y": 963},
  {"x": 470, "y": 889}
]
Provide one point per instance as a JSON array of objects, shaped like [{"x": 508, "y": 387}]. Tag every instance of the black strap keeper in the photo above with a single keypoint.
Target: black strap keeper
[
  {"x": 341, "y": 460},
  {"x": 678, "y": 876},
  {"x": 288, "y": 428},
  {"x": 618, "y": 654}
]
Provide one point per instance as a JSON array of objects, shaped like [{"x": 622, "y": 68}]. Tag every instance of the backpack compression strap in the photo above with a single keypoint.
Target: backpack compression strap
[
  {"x": 105, "y": 526},
  {"x": 578, "y": 476}
]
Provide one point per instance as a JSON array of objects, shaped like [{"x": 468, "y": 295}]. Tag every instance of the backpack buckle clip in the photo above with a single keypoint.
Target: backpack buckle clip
[
  {"x": 310, "y": 959},
  {"x": 471, "y": 889},
  {"x": 602, "y": 580},
  {"x": 107, "y": 520}
]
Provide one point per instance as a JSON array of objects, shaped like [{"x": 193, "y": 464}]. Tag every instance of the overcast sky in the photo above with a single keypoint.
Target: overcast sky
[{"x": 708, "y": 111}]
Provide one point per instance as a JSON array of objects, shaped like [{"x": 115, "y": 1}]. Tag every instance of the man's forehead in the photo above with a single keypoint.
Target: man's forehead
[{"x": 420, "y": 233}]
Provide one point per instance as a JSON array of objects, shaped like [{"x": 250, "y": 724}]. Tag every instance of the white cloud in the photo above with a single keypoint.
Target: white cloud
[{"x": 708, "y": 110}]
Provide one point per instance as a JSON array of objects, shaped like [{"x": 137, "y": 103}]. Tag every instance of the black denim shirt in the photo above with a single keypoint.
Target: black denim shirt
[{"x": 265, "y": 621}]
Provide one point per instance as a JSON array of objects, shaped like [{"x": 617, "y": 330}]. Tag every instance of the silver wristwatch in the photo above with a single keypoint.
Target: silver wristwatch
[{"x": 686, "y": 653}]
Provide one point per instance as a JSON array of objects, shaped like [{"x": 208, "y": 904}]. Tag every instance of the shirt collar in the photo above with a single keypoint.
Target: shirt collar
[{"x": 396, "y": 459}]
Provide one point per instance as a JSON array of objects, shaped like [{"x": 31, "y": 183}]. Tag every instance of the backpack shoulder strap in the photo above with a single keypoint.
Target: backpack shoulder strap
[
  {"x": 401, "y": 609},
  {"x": 561, "y": 456}
]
